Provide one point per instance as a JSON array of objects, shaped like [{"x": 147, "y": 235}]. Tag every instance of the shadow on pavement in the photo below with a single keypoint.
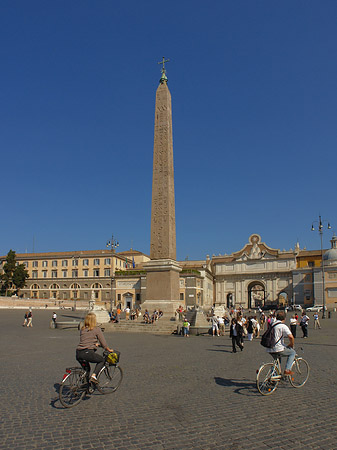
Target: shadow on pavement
[
  {"x": 242, "y": 387},
  {"x": 54, "y": 400},
  {"x": 219, "y": 350}
]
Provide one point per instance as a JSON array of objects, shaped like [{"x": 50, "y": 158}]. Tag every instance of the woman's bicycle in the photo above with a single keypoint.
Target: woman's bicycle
[
  {"x": 76, "y": 385},
  {"x": 270, "y": 374}
]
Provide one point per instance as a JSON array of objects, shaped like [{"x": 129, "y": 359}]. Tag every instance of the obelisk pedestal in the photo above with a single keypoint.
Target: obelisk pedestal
[{"x": 162, "y": 285}]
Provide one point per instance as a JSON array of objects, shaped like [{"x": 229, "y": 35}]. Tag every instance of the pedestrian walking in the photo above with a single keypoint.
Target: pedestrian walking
[
  {"x": 215, "y": 328},
  {"x": 186, "y": 328},
  {"x": 256, "y": 326},
  {"x": 30, "y": 319},
  {"x": 53, "y": 318},
  {"x": 316, "y": 321},
  {"x": 262, "y": 320},
  {"x": 221, "y": 326},
  {"x": 250, "y": 329},
  {"x": 25, "y": 320},
  {"x": 304, "y": 324},
  {"x": 235, "y": 333},
  {"x": 293, "y": 325}
]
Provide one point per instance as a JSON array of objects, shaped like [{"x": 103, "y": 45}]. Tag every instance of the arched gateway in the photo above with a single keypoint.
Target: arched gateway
[{"x": 256, "y": 294}]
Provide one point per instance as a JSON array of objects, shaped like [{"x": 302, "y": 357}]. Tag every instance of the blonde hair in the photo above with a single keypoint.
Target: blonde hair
[{"x": 90, "y": 321}]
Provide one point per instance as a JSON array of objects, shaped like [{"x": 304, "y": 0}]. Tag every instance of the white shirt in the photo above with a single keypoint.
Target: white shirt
[{"x": 281, "y": 330}]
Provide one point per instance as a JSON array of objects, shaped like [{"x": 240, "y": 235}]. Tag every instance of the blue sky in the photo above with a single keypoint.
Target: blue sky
[{"x": 253, "y": 87}]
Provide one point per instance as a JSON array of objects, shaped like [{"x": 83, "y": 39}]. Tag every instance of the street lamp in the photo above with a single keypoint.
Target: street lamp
[
  {"x": 112, "y": 245},
  {"x": 320, "y": 230}
]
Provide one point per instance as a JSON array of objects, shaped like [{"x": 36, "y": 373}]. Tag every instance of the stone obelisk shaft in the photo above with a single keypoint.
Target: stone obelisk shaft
[
  {"x": 162, "y": 271},
  {"x": 163, "y": 227}
]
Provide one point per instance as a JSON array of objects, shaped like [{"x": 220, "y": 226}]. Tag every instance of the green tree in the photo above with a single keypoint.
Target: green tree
[
  {"x": 14, "y": 276},
  {"x": 20, "y": 276}
]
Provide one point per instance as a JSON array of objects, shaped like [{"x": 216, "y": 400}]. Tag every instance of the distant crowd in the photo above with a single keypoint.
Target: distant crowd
[{"x": 136, "y": 314}]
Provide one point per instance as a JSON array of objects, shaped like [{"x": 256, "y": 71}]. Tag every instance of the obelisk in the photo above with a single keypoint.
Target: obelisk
[{"x": 162, "y": 278}]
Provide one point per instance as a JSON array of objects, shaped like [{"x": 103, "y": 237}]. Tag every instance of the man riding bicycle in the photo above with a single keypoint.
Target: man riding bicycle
[{"x": 281, "y": 330}]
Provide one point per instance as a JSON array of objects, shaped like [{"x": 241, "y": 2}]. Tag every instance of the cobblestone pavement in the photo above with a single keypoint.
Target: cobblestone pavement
[{"x": 177, "y": 393}]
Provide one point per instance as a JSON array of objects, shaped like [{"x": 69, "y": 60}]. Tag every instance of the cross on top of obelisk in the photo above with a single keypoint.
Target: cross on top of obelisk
[{"x": 163, "y": 70}]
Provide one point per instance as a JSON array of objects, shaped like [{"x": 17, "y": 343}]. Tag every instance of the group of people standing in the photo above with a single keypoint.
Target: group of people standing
[
  {"x": 242, "y": 326},
  {"x": 303, "y": 323}
]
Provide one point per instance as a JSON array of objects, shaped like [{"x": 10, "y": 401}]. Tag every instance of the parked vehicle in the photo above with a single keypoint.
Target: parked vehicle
[
  {"x": 316, "y": 308},
  {"x": 294, "y": 308}
]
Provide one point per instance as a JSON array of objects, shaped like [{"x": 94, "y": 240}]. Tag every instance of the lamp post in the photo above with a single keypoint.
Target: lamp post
[
  {"x": 320, "y": 230},
  {"x": 112, "y": 244},
  {"x": 75, "y": 272}
]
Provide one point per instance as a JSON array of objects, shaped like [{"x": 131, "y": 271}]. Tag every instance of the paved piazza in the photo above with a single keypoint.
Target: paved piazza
[{"x": 177, "y": 393}]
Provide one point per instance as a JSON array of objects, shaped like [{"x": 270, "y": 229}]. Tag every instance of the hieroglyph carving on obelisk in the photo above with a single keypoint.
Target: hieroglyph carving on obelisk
[{"x": 163, "y": 225}]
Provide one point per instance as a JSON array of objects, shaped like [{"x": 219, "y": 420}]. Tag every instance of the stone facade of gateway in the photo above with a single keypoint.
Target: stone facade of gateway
[{"x": 257, "y": 275}]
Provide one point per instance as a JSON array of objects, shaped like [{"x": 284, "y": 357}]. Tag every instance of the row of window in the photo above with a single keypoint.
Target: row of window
[
  {"x": 74, "y": 273},
  {"x": 74, "y": 262},
  {"x": 73, "y": 286}
]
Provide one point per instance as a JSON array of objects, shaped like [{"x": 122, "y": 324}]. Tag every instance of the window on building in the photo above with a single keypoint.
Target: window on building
[
  {"x": 85, "y": 273},
  {"x": 35, "y": 263},
  {"x": 44, "y": 263},
  {"x": 34, "y": 274},
  {"x": 96, "y": 272},
  {"x": 75, "y": 262},
  {"x": 54, "y": 273},
  {"x": 107, "y": 261},
  {"x": 44, "y": 273},
  {"x": 119, "y": 296},
  {"x": 137, "y": 297},
  {"x": 54, "y": 263},
  {"x": 96, "y": 262},
  {"x": 25, "y": 263},
  {"x": 64, "y": 263},
  {"x": 64, "y": 273},
  {"x": 74, "y": 273},
  {"x": 106, "y": 272},
  {"x": 182, "y": 296},
  {"x": 311, "y": 263},
  {"x": 86, "y": 262}
]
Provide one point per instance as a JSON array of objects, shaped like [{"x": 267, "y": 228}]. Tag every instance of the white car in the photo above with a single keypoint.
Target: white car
[
  {"x": 294, "y": 308},
  {"x": 317, "y": 308}
]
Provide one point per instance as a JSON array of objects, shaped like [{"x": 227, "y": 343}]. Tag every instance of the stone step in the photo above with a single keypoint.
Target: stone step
[{"x": 164, "y": 327}]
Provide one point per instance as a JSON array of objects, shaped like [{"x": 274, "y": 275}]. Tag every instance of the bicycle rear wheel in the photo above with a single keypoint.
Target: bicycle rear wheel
[
  {"x": 267, "y": 378},
  {"x": 73, "y": 388},
  {"x": 109, "y": 379},
  {"x": 301, "y": 373}
]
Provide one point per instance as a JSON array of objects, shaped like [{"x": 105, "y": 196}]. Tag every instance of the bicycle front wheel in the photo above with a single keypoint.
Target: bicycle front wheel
[
  {"x": 72, "y": 389},
  {"x": 301, "y": 373},
  {"x": 109, "y": 379},
  {"x": 267, "y": 379}
]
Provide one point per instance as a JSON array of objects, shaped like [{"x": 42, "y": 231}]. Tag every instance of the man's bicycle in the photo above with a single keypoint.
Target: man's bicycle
[
  {"x": 76, "y": 385},
  {"x": 270, "y": 374}
]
